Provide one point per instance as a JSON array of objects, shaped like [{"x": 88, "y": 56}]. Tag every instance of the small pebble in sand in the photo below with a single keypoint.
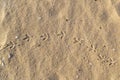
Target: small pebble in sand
[
  {"x": 39, "y": 18},
  {"x": 10, "y": 55},
  {"x": 77, "y": 76},
  {"x": 90, "y": 64},
  {"x": 113, "y": 49},
  {"x": 3, "y": 64},
  {"x": 3, "y": 59},
  {"x": 16, "y": 37}
]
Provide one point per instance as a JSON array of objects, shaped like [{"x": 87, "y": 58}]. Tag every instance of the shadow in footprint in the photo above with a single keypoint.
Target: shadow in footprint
[
  {"x": 53, "y": 76},
  {"x": 117, "y": 7},
  {"x": 104, "y": 16}
]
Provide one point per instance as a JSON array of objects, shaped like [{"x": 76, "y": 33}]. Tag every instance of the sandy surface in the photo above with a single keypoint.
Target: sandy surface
[{"x": 59, "y": 39}]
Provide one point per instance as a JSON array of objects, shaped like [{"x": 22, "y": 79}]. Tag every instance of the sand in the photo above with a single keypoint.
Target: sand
[{"x": 59, "y": 40}]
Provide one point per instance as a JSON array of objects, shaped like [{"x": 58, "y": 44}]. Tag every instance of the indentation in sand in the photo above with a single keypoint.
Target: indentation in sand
[
  {"x": 117, "y": 7},
  {"x": 3, "y": 30}
]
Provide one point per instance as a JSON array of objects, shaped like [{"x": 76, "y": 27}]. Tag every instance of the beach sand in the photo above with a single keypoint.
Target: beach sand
[{"x": 59, "y": 39}]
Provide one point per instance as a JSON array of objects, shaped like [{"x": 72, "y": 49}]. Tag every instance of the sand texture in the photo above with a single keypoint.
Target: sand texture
[{"x": 59, "y": 39}]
